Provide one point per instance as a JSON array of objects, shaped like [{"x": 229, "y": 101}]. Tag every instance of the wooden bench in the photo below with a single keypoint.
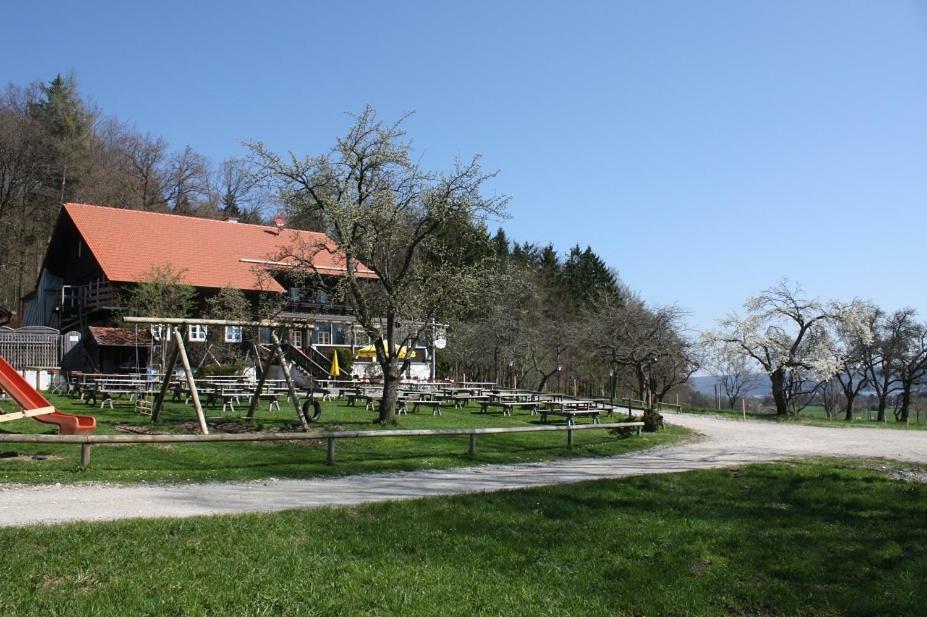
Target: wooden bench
[
  {"x": 93, "y": 394},
  {"x": 433, "y": 403},
  {"x": 370, "y": 400},
  {"x": 508, "y": 406},
  {"x": 571, "y": 414}
]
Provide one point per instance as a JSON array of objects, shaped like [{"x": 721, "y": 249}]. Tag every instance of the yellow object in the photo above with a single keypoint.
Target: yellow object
[
  {"x": 335, "y": 370},
  {"x": 368, "y": 351}
]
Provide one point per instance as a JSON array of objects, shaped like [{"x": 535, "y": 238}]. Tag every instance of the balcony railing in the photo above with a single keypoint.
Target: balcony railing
[{"x": 94, "y": 296}]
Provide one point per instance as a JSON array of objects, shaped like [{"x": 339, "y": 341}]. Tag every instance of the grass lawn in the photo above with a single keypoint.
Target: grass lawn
[
  {"x": 815, "y": 416},
  {"x": 244, "y": 461},
  {"x": 818, "y": 538}
]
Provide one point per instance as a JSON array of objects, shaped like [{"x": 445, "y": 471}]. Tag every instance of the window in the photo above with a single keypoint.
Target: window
[
  {"x": 324, "y": 337},
  {"x": 232, "y": 334},
  {"x": 197, "y": 333},
  {"x": 157, "y": 332},
  {"x": 338, "y": 334},
  {"x": 296, "y": 338},
  {"x": 264, "y": 336}
]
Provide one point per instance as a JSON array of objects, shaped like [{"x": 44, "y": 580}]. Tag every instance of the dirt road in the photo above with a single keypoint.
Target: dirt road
[{"x": 725, "y": 443}]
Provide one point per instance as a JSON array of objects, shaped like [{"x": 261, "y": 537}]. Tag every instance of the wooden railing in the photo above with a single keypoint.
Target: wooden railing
[{"x": 86, "y": 441}]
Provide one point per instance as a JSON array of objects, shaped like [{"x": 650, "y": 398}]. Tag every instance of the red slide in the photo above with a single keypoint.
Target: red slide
[{"x": 28, "y": 398}]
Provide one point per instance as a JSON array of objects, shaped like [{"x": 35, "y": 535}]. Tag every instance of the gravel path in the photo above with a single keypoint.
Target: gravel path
[{"x": 725, "y": 443}]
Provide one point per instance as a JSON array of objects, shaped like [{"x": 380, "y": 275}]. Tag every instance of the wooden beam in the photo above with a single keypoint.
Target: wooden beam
[
  {"x": 191, "y": 382},
  {"x": 183, "y": 321},
  {"x": 260, "y": 384},
  {"x": 26, "y": 413},
  {"x": 289, "y": 380},
  {"x": 166, "y": 384},
  {"x": 313, "y": 435}
]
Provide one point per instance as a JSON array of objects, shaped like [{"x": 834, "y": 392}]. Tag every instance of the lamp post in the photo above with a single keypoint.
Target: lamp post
[
  {"x": 650, "y": 362},
  {"x": 612, "y": 378}
]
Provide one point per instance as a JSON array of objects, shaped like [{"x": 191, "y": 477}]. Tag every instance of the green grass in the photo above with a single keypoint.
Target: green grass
[
  {"x": 244, "y": 461},
  {"x": 815, "y": 416},
  {"x": 819, "y": 538}
]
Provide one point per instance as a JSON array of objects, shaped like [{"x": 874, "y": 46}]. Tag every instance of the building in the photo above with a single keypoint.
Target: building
[{"x": 97, "y": 253}]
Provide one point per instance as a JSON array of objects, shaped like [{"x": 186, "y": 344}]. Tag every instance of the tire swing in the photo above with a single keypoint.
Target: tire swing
[{"x": 316, "y": 408}]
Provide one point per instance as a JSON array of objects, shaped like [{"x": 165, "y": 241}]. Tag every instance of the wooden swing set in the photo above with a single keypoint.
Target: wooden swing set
[{"x": 177, "y": 326}]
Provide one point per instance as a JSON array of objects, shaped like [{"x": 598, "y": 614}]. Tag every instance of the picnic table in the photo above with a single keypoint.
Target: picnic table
[
  {"x": 571, "y": 409},
  {"x": 435, "y": 404},
  {"x": 508, "y": 406}
]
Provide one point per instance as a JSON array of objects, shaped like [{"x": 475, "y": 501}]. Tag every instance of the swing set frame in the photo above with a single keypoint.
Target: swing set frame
[{"x": 178, "y": 326}]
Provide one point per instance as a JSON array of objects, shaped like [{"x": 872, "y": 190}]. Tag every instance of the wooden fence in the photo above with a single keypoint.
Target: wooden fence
[
  {"x": 31, "y": 347},
  {"x": 86, "y": 441}
]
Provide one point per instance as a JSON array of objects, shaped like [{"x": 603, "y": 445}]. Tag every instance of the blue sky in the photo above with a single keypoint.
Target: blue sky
[{"x": 704, "y": 149}]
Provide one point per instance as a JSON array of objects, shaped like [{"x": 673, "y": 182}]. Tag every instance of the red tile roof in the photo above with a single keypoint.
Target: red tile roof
[
  {"x": 120, "y": 337},
  {"x": 128, "y": 244}
]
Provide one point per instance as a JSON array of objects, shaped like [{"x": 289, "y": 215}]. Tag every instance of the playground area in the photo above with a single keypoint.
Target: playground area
[{"x": 117, "y": 413}]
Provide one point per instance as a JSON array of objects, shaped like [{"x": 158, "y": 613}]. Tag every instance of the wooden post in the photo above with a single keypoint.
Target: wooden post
[
  {"x": 570, "y": 437},
  {"x": 472, "y": 449},
  {"x": 257, "y": 358},
  {"x": 743, "y": 407},
  {"x": 260, "y": 384},
  {"x": 165, "y": 386},
  {"x": 289, "y": 381},
  {"x": 331, "y": 451},
  {"x": 84, "y": 455},
  {"x": 200, "y": 416}
]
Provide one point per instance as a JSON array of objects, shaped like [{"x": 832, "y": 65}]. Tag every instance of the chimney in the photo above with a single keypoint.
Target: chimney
[{"x": 279, "y": 222}]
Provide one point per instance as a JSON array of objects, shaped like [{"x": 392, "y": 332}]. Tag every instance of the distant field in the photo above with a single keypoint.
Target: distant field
[
  {"x": 243, "y": 461},
  {"x": 816, "y": 416},
  {"x": 820, "y": 539}
]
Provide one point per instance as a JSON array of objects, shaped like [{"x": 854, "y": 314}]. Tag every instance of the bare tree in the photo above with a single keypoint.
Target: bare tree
[
  {"x": 385, "y": 216},
  {"x": 911, "y": 361},
  {"x": 239, "y": 188},
  {"x": 186, "y": 181},
  {"x": 880, "y": 356},
  {"x": 734, "y": 373},
  {"x": 145, "y": 157}
]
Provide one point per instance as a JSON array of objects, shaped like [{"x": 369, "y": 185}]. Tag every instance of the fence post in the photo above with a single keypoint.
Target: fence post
[
  {"x": 570, "y": 437},
  {"x": 331, "y": 451},
  {"x": 84, "y": 455},
  {"x": 472, "y": 449}
]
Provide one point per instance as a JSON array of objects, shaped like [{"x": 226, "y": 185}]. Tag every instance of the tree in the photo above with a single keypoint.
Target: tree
[
  {"x": 186, "y": 181},
  {"x": 239, "y": 194},
  {"x": 163, "y": 294},
  {"x": 229, "y": 304},
  {"x": 911, "y": 359},
  {"x": 66, "y": 123},
  {"x": 850, "y": 339},
  {"x": 732, "y": 370},
  {"x": 786, "y": 334},
  {"x": 627, "y": 335},
  {"x": 880, "y": 356},
  {"x": 384, "y": 213}
]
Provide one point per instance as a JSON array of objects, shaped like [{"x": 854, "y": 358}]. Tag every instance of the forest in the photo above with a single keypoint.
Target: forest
[{"x": 541, "y": 318}]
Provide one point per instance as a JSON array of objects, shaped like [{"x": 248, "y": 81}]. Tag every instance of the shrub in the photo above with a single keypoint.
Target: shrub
[{"x": 652, "y": 420}]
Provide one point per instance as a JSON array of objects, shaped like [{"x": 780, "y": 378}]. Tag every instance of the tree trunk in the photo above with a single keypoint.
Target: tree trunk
[
  {"x": 390, "y": 393},
  {"x": 905, "y": 403},
  {"x": 883, "y": 403},
  {"x": 777, "y": 379},
  {"x": 848, "y": 416}
]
